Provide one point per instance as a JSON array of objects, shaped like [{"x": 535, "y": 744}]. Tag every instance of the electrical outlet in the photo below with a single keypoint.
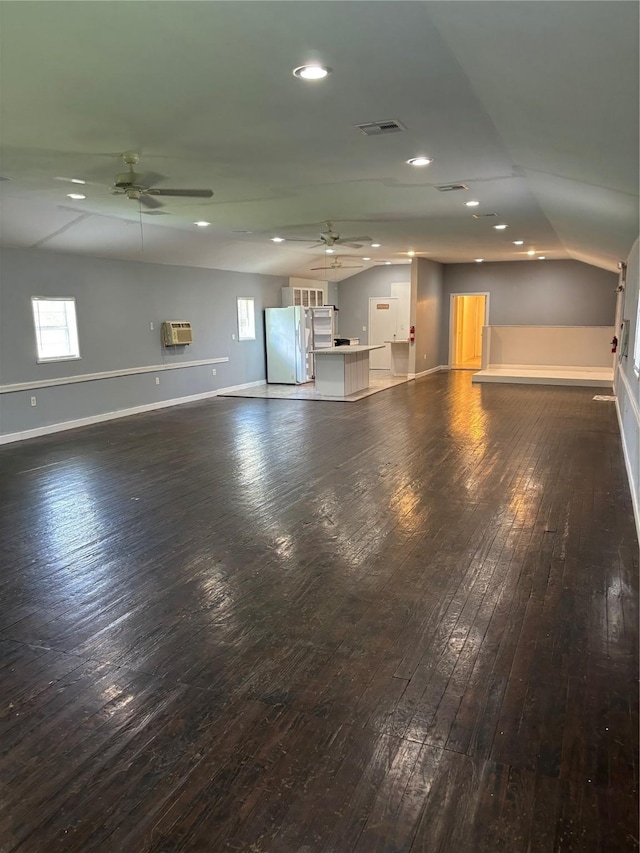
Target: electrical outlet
[
  {"x": 424, "y": 357},
  {"x": 34, "y": 402},
  {"x": 213, "y": 371},
  {"x": 157, "y": 380},
  {"x": 151, "y": 327},
  {"x": 233, "y": 337}
]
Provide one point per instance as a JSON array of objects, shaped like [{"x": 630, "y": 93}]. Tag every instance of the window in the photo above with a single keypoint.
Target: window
[
  {"x": 56, "y": 328},
  {"x": 246, "y": 319}
]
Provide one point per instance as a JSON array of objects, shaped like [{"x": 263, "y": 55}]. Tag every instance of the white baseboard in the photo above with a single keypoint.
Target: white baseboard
[
  {"x": 634, "y": 486},
  {"x": 241, "y": 387},
  {"x": 9, "y": 438},
  {"x": 435, "y": 369}
]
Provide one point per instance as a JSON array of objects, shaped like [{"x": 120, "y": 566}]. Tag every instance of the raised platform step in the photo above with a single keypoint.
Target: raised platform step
[{"x": 557, "y": 375}]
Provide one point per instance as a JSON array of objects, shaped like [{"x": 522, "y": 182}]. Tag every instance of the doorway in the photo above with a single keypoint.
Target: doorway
[
  {"x": 383, "y": 326},
  {"x": 469, "y": 313}
]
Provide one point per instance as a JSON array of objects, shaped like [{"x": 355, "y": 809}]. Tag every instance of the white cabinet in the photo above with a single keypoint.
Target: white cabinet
[
  {"x": 305, "y": 297},
  {"x": 324, "y": 327}
]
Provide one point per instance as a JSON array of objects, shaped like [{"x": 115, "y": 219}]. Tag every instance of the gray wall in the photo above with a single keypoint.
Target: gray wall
[
  {"x": 115, "y": 302},
  {"x": 428, "y": 277},
  {"x": 332, "y": 293},
  {"x": 627, "y": 384},
  {"x": 355, "y": 292},
  {"x": 533, "y": 293}
]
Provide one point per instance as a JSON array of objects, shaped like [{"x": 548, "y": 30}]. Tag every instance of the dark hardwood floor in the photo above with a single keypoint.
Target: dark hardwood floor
[{"x": 405, "y": 624}]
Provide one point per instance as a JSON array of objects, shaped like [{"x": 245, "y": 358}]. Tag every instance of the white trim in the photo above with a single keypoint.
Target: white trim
[
  {"x": 435, "y": 369},
  {"x": 58, "y": 358},
  {"x": 121, "y": 413},
  {"x": 634, "y": 487},
  {"x": 108, "y": 374},
  {"x": 533, "y": 367},
  {"x": 486, "y": 317}
]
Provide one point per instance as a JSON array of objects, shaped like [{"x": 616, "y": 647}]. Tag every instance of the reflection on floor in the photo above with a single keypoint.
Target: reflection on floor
[
  {"x": 595, "y": 377},
  {"x": 469, "y": 364},
  {"x": 379, "y": 380}
]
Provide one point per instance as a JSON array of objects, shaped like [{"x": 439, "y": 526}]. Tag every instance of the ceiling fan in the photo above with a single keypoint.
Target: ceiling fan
[
  {"x": 139, "y": 187},
  {"x": 336, "y": 264},
  {"x": 332, "y": 238}
]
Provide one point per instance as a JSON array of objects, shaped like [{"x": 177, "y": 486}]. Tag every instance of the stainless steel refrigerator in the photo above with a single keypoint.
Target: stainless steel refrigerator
[{"x": 289, "y": 334}]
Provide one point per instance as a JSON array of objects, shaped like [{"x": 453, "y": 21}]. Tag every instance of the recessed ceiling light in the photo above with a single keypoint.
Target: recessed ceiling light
[
  {"x": 330, "y": 251},
  {"x": 376, "y": 245},
  {"x": 542, "y": 258},
  {"x": 518, "y": 242},
  {"x": 420, "y": 161},
  {"x": 76, "y": 196},
  {"x": 387, "y": 263},
  {"x": 471, "y": 203},
  {"x": 479, "y": 260},
  {"x": 366, "y": 259},
  {"x": 531, "y": 252},
  {"x": 499, "y": 227},
  {"x": 277, "y": 239},
  {"x": 77, "y": 181},
  {"x": 201, "y": 223},
  {"x": 311, "y": 72},
  {"x": 411, "y": 254}
]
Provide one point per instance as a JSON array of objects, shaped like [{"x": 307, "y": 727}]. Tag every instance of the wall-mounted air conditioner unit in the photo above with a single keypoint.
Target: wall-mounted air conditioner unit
[{"x": 176, "y": 332}]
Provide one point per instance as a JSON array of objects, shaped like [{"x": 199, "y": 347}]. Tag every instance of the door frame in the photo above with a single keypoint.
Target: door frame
[{"x": 487, "y": 296}]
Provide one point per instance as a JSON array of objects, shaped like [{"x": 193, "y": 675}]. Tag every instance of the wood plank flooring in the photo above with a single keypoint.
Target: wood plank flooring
[{"x": 408, "y": 624}]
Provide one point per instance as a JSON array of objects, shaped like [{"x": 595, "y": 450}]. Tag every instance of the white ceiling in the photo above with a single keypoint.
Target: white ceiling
[{"x": 532, "y": 105}]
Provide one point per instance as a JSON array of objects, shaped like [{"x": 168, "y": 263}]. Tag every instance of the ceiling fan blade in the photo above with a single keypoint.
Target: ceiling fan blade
[
  {"x": 363, "y": 238},
  {"x": 148, "y": 201},
  {"x": 181, "y": 193},
  {"x": 351, "y": 245},
  {"x": 337, "y": 267}
]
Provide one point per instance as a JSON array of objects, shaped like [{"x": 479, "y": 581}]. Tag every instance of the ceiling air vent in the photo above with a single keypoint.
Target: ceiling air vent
[
  {"x": 376, "y": 128},
  {"x": 482, "y": 215},
  {"x": 451, "y": 188}
]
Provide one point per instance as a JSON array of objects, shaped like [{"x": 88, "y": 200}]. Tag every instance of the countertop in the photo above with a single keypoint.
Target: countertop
[{"x": 346, "y": 350}]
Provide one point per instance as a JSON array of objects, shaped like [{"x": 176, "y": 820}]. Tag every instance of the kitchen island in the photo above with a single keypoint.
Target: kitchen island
[{"x": 341, "y": 371}]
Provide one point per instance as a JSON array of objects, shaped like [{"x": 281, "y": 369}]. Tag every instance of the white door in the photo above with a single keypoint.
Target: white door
[
  {"x": 383, "y": 325},
  {"x": 401, "y": 290}
]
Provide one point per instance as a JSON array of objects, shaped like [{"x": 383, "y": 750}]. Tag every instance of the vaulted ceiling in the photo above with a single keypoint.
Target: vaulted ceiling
[{"x": 533, "y": 106}]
